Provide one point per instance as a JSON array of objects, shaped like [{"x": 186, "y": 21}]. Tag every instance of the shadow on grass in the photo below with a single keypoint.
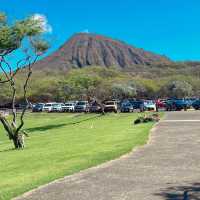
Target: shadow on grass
[
  {"x": 54, "y": 126},
  {"x": 44, "y": 128},
  {"x": 49, "y": 127},
  {"x": 189, "y": 192}
]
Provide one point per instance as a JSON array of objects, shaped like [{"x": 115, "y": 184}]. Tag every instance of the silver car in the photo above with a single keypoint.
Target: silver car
[{"x": 82, "y": 106}]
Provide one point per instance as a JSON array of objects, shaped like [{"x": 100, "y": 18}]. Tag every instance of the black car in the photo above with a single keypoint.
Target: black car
[
  {"x": 196, "y": 104},
  {"x": 38, "y": 107}
]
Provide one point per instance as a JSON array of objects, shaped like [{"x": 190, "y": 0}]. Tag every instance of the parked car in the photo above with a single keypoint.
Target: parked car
[
  {"x": 127, "y": 107},
  {"x": 95, "y": 108},
  {"x": 189, "y": 102},
  {"x": 57, "y": 107},
  {"x": 82, "y": 106},
  {"x": 38, "y": 107},
  {"x": 196, "y": 104},
  {"x": 161, "y": 103},
  {"x": 110, "y": 106},
  {"x": 68, "y": 107},
  {"x": 137, "y": 104},
  {"x": 176, "y": 105},
  {"x": 181, "y": 104},
  {"x": 170, "y": 105},
  {"x": 22, "y": 106},
  {"x": 48, "y": 107},
  {"x": 149, "y": 105}
]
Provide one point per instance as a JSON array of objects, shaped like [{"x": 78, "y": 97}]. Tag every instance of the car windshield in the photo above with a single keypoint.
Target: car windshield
[
  {"x": 39, "y": 105},
  {"x": 69, "y": 104},
  {"x": 57, "y": 105},
  {"x": 180, "y": 101},
  {"x": 48, "y": 105},
  {"x": 126, "y": 104},
  {"x": 94, "y": 104},
  {"x": 149, "y": 102},
  {"x": 110, "y": 103},
  {"x": 135, "y": 102},
  {"x": 81, "y": 103}
]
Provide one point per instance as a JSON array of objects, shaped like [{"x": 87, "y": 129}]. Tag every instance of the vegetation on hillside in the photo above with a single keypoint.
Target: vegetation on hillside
[{"x": 175, "y": 80}]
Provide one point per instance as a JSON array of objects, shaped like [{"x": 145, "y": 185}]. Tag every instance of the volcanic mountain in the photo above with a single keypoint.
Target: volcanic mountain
[{"x": 85, "y": 49}]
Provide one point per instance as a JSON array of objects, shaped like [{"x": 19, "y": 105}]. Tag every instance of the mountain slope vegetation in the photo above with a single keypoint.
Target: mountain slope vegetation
[{"x": 104, "y": 83}]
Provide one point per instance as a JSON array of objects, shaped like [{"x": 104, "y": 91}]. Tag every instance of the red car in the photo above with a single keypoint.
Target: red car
[{"x": 160, "y": 103}]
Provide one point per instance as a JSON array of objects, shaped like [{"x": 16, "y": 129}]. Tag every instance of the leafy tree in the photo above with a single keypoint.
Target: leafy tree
[
  {"x": 178, "y": 89},
  {"x": 24, "y": 36},
  {"x": 121, "y": 91}
]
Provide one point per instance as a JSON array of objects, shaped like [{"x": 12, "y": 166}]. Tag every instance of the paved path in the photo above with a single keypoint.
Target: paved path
[{"x": 162, "y": 170}]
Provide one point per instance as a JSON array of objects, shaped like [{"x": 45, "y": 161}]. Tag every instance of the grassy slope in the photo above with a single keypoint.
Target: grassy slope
[{"x": 57, "y": 148}]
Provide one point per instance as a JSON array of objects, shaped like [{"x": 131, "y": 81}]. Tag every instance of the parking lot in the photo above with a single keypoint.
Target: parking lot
[{"x": 125, "y": 105}]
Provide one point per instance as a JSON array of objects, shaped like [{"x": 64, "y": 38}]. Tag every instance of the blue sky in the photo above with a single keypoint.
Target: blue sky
[{"x": 169, "y": 27}]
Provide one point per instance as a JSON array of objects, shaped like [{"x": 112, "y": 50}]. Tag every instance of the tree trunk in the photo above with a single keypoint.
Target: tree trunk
[
  {"x": 17, "y": 138},
  {"x": 18, "y": 141}
]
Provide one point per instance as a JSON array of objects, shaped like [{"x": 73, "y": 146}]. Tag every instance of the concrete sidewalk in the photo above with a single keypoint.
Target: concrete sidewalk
[{"x": 164, "y": 169}]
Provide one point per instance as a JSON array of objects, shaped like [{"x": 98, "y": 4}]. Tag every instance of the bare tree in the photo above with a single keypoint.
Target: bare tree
[{"x": 23, "y": 36}]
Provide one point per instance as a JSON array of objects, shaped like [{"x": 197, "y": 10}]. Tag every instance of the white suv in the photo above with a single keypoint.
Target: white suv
[
  {"x": 69, "y": 107},
  {"x": 48, "y": 107},
  {"x": 58, "y": 107}
]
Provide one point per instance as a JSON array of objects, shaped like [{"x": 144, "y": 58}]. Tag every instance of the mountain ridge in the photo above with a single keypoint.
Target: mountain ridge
[{"x": 86, "y": 49}]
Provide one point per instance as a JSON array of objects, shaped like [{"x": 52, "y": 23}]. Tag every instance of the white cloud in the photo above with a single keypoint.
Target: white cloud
[{"x": 43, "y": 22}]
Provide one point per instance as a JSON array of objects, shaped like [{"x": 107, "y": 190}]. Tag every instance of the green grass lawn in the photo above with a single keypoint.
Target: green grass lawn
[{"x": 62, "y": 144}]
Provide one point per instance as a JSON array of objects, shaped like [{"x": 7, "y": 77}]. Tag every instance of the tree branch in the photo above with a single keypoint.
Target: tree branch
[
  {"x": 25, "y": 92},
  {"x": 4, "y": 71},
  {"x": 12, "y": 84},
  {"x": 12, "y": 74}
]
